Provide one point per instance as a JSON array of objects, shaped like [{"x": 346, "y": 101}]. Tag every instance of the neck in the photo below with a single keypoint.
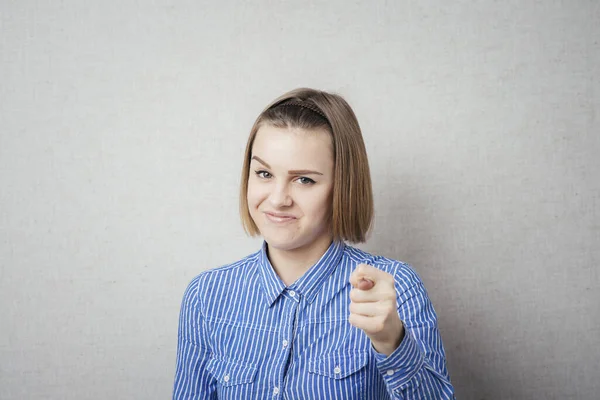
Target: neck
[{"x": 292, "y": 264}]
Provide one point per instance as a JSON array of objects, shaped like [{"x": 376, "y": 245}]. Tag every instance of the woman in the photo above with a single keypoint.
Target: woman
[{"x": 308, "y": 316}]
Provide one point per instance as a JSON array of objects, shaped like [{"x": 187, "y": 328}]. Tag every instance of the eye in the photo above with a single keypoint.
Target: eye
[
  {"x": 305, "y": 181},
  {"x": 263, "y": 174}
]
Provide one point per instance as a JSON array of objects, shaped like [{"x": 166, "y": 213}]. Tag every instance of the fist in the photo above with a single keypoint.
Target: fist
[{"x": 373, "y": 308}]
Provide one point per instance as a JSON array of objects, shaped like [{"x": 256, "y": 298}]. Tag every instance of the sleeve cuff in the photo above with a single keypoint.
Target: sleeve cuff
[{"x": 402, "y": 365}]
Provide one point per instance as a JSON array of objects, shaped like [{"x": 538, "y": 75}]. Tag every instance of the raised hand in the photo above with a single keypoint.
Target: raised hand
[{"x": 373, "y": 308}]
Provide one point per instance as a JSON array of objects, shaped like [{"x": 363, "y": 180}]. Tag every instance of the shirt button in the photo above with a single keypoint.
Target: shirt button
[
  {"x": 285, "y": 343},
  {"x": 226, "y": 378},
  {"x": 390, "y": 372},
  {"x": 337, "y": 370},
  {"x": 276, "y": 391},
  {"x": 292, "y": 293}
]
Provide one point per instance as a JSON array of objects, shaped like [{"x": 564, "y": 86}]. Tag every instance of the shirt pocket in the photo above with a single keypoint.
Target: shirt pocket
[
  {"x": 230, "y": 373},
  {"x": 339, "y": 366}
]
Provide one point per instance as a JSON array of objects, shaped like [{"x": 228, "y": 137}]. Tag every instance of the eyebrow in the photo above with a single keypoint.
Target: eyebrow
[{"x": 291, "y": 172}]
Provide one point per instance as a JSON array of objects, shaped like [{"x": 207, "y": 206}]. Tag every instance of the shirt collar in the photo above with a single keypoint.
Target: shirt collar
[{"x": 309, "y": 284}]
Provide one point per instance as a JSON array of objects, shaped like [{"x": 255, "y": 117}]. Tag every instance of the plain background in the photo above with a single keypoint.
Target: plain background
[{"x": 122, "y": 127}]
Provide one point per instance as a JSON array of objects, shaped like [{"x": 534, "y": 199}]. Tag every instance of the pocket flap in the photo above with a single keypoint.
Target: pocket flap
[
  {"x": 230, "y": 373},
  {"x": 338, "y": 365}
]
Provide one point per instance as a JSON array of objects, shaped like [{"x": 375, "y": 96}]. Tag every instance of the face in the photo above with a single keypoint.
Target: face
[{"x": 290, "y": 186}]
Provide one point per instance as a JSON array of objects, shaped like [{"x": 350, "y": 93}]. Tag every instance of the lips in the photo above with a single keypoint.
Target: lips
[{"x": 279, "y": 217}]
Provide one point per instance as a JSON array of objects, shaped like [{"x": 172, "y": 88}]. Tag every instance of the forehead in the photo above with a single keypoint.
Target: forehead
[{"x": 292, "y": 146}]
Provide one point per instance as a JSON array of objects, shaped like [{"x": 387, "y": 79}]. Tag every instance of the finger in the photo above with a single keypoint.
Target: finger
[
  {"x": 379, "y": 294},
  {"x": 364, "y": 296},
  {"x": 368, "y": 272},
  {"x": 365, "y": 284},
  {"x": 367, "y": 324},
  {"x": 361, "y": 274},
  {"x": 365, "y": 309}
]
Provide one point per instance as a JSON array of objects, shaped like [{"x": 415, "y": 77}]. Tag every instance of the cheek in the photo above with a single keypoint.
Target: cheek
[
  {"x": 255, "y": 195},
  {"x": 318, "y": 206}
]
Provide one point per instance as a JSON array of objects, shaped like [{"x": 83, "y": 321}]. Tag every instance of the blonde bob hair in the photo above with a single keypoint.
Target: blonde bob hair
[{"x": 310, "y": 109}]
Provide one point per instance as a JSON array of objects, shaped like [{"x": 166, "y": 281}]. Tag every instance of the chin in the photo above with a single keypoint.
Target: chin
[{"x": 281, "y": 242}]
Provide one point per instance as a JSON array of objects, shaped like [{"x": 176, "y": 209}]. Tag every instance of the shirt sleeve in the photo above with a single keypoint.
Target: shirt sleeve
[
  {"x": 192, "y": 381},
  {"x": 417, "y": 368}
]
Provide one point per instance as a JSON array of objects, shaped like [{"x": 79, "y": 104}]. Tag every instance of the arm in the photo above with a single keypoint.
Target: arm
[
  {"x": 192, "y": 381},
  {"x": 417, "y": 368},
  {"x": 397, "y": 315}
]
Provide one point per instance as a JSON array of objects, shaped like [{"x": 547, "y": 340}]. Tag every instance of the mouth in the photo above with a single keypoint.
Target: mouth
[{"x": 279, "y": 218}]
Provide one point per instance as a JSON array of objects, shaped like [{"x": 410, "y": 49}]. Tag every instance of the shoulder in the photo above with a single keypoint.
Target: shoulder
[
  {"x": 221, "y": 278},
  {"x": 404, "y": 274}
]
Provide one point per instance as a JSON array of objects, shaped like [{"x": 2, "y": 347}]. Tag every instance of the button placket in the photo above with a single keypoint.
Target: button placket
[{"x": 287, "y": 340}]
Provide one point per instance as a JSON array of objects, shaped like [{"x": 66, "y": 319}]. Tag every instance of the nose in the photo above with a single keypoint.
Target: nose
[{"x": 280, "y": 196}]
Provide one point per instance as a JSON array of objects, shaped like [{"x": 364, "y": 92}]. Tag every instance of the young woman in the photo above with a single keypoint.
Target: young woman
[{"x": 308, "y": 316}]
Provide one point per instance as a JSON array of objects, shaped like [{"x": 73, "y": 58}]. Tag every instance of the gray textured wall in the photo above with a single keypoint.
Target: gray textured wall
[{"x": 122, "y": 125}]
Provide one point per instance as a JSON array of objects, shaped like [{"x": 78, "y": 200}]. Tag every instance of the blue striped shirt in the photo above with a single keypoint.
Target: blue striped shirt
[{"x": 244, "y": 335}]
